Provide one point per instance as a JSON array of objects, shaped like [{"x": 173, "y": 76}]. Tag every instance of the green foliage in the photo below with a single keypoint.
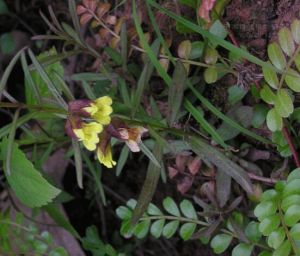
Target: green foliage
[
  {"x": 27, "y": 239},
  {"x": 278, "y": 214},
  {"x": 7, "y": 43},
  {"x": 27, "y": 183}
]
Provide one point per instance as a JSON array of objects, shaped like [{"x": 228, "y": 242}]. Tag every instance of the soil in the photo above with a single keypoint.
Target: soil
[{"x": 254, "y": 24}]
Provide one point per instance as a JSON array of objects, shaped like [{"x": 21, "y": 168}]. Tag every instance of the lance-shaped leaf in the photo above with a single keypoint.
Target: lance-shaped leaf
[
  {"x": 176, "y": 92},
  {"x": 27, "y": 183},
  {"x": 223, "y": 164},
  {"x": 149, "y": 187}
]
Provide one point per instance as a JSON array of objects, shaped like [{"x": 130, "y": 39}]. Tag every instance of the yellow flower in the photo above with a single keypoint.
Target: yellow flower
[
  {"x": 132, "y": 137},
  {"x": 100, "y": 110},
  {"x": 88, "y": 134},
  {"x": 105, "y": 157}
]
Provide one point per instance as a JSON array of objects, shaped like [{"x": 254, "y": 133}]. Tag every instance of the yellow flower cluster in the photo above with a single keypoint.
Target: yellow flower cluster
[{"x": 99, "y": 110}]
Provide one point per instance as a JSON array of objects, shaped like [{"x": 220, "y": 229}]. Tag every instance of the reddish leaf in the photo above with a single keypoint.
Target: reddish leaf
[
  {"x": 204, "y": 9},
  {"x": 185, "y": 184},
  {"x": 85, "y": 18},
  {"x": 81, "y": 9},
  {"x": 194, "y": 165},
  {"x": 172, "y": 172}
]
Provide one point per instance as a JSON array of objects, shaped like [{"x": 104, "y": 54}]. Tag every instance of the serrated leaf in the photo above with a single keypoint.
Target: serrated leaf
[
  {"x": 170, "y": 229},
  {"x": 157, "y": 228},
  {"x": 267, "y": 94},
  {"x": 271, "y": 77},
  {"x": 286, "y": 41},
  {"x": 292, "y": 215},
  {"x": 295, "y": 28},
  {"x": 265, "y": 209},
  {"x": 27, "y": 183},
  {"x": 211, "y": 75},
  {"x": 276, "y": 238},
  {"x": 171, "y": 207},
  {"x": 187, "y": 230},
  {"x": 295, "y": 232},
  {"x": 220, "y": 243},
  {"x": 274, "y": 120},
  {"x": 276, "y": 56},
  {"x": 283, "y": 250},
  {"x": 292, "y": 80},
  {"x": 283, "y": 103},
  {"x": 242, "y": 249},
  {"x": 269, "y": 224},
  {"x": 188, "y": 210}
]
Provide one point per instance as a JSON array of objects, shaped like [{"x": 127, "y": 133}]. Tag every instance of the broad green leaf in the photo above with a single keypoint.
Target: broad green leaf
[
  {"x": 210, "y": 154},
  {"x": 276, "y": 56},
  {"x": 295, "y": 174},
  {"x": 265, "y": 209},
  {"x": 7, "y": 43},
  {"x": 295, "y": 232},
  {"x": 276, "y": 238},
  {"x": 27, "y": 183},
  {"x": 124, "y": 213},
  {"x": 286, "y": 41},
  {"x": 242, "y": 249},
  {"x": 218, "y": 29},
  {"x": 283, "y": 250},
  {"x": 259, "y": 115},
  {"x": 269, "y": 224},
  {"x": 176, "y": 91},
  {"x": 220, "y": 243},
  {"x": 292, "y": 215},
  {"x": 283, "y": 103},
  {"x": 157, "y": 228},
  {"x": 126, "y": 229},
  {"x": 293, "y": 187},
  {"x": 188, "y": 210},
  {"x": 252, "y": 231},
  {"x": 267, "y": 94},
  {"x": 142, "y": 229},
  {"x": 154, "y": 210},
  {"x": 274, "y": 120},
  {"x": 170, "y": 229},
  {"x": 270, "y": 77},
  {"x": 270, "y": 195},
  {"x": 187, "y": 230},
  {"x": 149, "y": 187},
  {"x": 235, "y": 94},
  {"x": 171, "y": 207},
  {"x": 295, "y": 28},
  {"x": 289, "y": 201},
  {"x": 292, "y": 80},
  {"x": 211, "y": 75}
]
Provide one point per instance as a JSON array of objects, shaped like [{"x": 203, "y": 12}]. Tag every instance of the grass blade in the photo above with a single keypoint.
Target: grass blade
[{"x": 78, "y": 162}]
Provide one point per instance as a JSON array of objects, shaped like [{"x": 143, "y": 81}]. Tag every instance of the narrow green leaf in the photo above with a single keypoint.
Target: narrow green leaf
[
  {"x": 170, "y": 229},
  {"x": 171, "y": 207},
  {"x": 149, "y": 187},
  {"x": 283, "y": 103},
  {"x": 220, "y": 243},
  {"x": 274, "y": 120},
  {"x": 78, "y": 162},
  {"x": 276, "y": 56},
  {"x": 124, "y": 45},
  {"x": 74, "y": 16},
  {"x": 223, "y": 187},
  {"x": 176, "y": 91},
  {"x": 8, "y": 70},
  {"x": 150, "y": 155},
  {"x": 223, "y": 164},
  {"x": 286, "y": 41},
  {"x": 27, "y": 183},
  {"x": 122, "y": 160}
]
